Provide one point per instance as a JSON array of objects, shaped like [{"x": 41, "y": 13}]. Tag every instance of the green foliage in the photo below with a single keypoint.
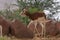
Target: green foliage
[
  {"x": 37, "y": 3},
  {"x": 21, "y": 4},
  {"x": 14, "y": 15},
  {"x": 32, "y": 10},
  {"x": 25, "y": 20},
  {"x": 5, "y": 38},
  {"x": 2, "y": 38},
  {"x": 33, "y": 7}
]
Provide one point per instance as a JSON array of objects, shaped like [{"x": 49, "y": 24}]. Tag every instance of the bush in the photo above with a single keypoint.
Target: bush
[{"x": 33, "y": 9}]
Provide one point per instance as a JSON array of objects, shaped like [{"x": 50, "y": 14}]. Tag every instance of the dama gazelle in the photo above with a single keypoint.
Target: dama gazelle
[{"x": 36, "y": 17}]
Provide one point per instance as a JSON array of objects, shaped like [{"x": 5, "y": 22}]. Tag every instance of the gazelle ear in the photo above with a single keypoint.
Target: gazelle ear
[{"x": 22, "y": 13}]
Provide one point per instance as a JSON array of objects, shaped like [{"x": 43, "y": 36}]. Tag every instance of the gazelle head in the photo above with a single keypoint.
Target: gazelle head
[{"x": 24, "y": 12}]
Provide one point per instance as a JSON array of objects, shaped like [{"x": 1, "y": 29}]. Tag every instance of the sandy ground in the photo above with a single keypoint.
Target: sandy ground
[{"x": 35, "y": 38}]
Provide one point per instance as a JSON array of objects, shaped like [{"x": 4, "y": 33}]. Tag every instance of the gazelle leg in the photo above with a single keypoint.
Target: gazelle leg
[
  {"x": 30, "y": 23},
  {"x": 0, "y": 31},
  {"x": 36, "y": 30},
  {"x": 42, "y": 29},
  {"x": 35, "y": 24},
  {"x": 38, "y": 34}
]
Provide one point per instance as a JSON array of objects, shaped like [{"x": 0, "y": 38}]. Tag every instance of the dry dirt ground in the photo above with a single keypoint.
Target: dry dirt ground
[{"x": 35, "y": 38}]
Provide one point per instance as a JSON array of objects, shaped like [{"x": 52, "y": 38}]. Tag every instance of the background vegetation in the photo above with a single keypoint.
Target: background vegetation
[{"x": 34, "y": 5}]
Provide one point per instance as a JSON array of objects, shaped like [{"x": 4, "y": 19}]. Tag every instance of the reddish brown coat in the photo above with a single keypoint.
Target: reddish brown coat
[{"x": 33, "y": 16}]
